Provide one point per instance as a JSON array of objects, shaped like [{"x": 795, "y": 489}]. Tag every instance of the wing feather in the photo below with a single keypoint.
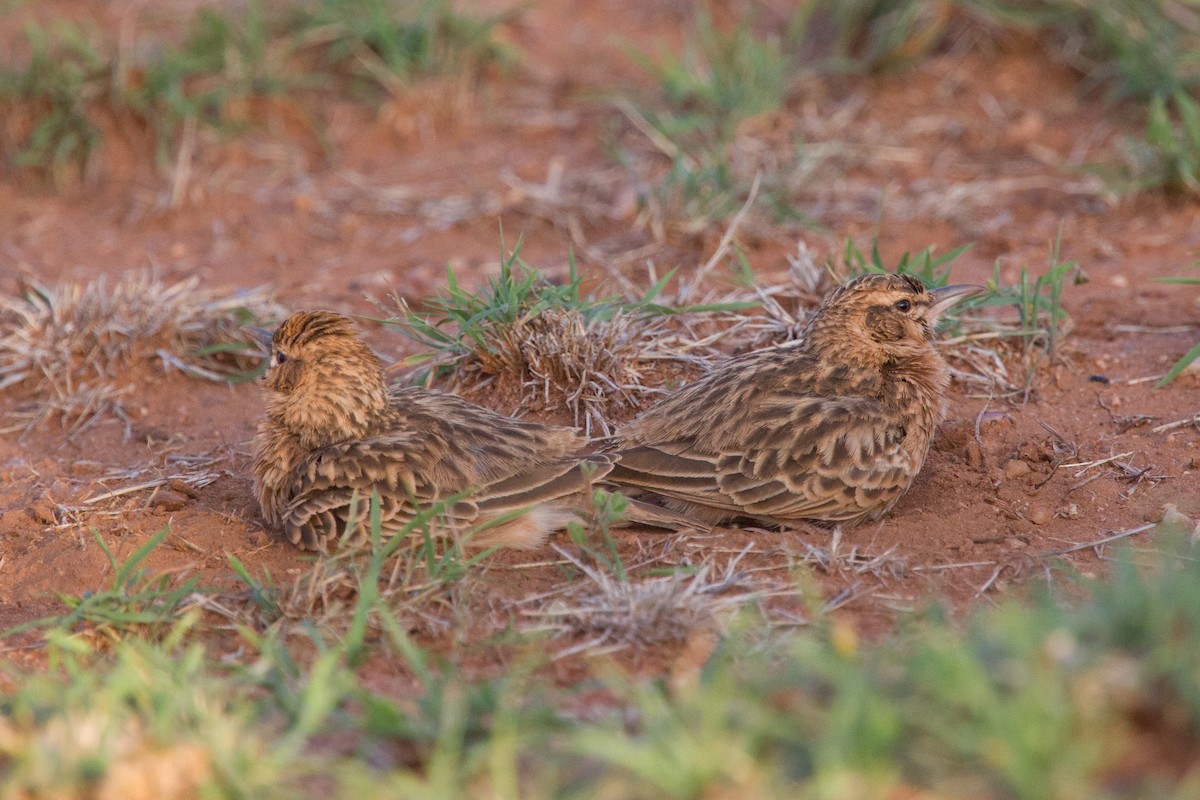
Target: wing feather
[
  {"x": 409, "y": 472},
  {"x": 825, "y": 458}
]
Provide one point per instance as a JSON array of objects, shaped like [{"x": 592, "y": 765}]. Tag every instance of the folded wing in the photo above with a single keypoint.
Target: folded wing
[
  {"x": 481, "y": 479},
  {"x": 799, "y": 458}
]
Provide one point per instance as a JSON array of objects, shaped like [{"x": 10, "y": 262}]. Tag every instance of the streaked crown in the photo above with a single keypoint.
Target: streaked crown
[{"x": 304, "y": 327}]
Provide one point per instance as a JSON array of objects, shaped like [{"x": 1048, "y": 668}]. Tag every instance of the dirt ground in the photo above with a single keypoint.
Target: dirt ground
[{"x": 980, "y": 143}]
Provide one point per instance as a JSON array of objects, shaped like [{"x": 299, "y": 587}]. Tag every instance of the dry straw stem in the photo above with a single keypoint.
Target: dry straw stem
[{"x": 73, "y": 345}]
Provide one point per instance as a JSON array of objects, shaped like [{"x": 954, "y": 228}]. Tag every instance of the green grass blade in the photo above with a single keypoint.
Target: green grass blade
[
  {"x": 1180, "y": 366},
  {"x": 131, "y": 563}
]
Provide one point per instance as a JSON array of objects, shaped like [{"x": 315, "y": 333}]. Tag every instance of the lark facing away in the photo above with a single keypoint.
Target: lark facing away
[
  {"x": 830, "y": 428},
  {"x": 334, "y": 431}
]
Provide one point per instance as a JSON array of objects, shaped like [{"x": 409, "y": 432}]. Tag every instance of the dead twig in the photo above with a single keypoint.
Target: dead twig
[
  {"x": 1170, "y": 426},
  {"x": 1098, "y": 543}
]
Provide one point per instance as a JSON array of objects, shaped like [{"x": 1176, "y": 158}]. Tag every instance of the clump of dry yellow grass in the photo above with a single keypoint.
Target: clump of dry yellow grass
[
  {"x": 556, "y": 341},
  {"x": 593, "y": 366},
  {"x": 614, "y": 612},
  {"x": 72, "y": 347}
]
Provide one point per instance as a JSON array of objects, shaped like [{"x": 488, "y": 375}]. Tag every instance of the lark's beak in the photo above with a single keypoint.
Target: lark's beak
[
  {"x": 264, "y": 337},
  {"x": 947, "y": 296}
]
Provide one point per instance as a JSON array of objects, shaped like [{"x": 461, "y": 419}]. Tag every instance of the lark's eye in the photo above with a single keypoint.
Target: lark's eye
[
  {"x": 279, "y": 357},
  {"x": 902, "y": 305}
]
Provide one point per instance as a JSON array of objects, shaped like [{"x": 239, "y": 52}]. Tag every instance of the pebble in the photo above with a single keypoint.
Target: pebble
[
  {"x": 44, "y": 512},
  {"x": 1015, "y": 468},
  {"x": 183, "y": 488},
  {"x": 169, "y": 500},
  {"x": 1040, "y": 515},
  {"x": 974, "y": 456}
]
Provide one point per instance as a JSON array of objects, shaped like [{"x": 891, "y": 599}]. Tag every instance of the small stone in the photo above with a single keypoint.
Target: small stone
[
  {"x": 974, "y": 456},
  {"x": 183, "y": 487},
  {"x": 1069, "y": 511},
  {"x": 1013, "y": 543},
  {"x": 1015, "y": 469},
  {"x": 1040, "y": 515},
  {"x": 44, "y": 512},
  {"x": 168, "y": 500}
]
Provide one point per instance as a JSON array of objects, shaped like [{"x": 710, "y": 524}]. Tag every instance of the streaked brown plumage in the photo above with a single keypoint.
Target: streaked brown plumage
[
  {"x": 333, "y": 428},
  {"x": 832, "y": 427}
]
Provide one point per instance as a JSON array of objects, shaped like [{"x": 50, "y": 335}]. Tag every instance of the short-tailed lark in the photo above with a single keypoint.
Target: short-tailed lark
[
  {"x": 830, "y": 428},
  {"x": 335, "y": 434}
]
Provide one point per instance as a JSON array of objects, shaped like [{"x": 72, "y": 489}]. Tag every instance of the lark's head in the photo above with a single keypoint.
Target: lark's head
[
  {"x": 883, "y": 318},
  {"x": 323, "y": 382}
]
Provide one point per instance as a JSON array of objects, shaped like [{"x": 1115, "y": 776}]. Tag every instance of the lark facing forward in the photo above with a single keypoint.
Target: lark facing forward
[
  {"x": 334, "y": 430},
  {"x": 832, "y": 427}
]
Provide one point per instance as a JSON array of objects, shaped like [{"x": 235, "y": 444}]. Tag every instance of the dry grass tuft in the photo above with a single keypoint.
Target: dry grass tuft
[
  {"x": 594, "y": 365},
  {"x": 614, "y": 614},
  {"x": 73, "y": 345},
  {"x": 416, "y": 584}
]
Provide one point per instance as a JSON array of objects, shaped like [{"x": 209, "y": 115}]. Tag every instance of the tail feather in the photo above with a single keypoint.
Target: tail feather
[{"x": 639, "y": 512}]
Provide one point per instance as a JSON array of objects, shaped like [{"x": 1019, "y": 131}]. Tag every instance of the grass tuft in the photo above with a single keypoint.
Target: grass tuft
[
  {"x": 360, "y": 591},
  {"x": 613, "y": 611},
  {"x": 134, "y": 604},
  {"x": 389, "y": 44},
  {"x": 553, "y": 342},
  {"x": 718, "y": 121},
  {"x": 73, "y": 346},
  {"x": 75, "y": 89},
  {"x": 1169, "y": 156},
  {"x": 47, "y": 103}
]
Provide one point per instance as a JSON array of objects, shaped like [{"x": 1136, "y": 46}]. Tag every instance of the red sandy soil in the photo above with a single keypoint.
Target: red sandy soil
[{"x": 269, "y": 208}]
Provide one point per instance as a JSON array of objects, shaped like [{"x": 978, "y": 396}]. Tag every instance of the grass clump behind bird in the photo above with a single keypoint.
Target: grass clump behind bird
[{"x": 555, "y": 341}]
